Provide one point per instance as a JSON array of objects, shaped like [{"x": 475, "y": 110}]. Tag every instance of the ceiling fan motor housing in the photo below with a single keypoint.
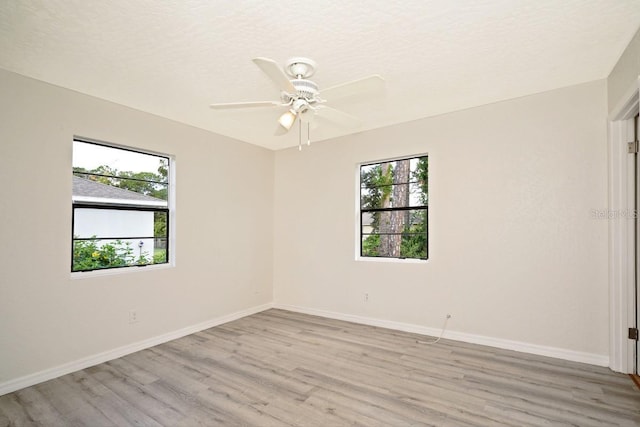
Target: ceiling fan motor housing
[{"x": 306, "y": 89}]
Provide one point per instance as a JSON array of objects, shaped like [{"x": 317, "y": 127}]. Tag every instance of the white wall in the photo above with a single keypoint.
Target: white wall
[
  {"x": 224, "y": 230},
  {"x": 515, "y": 253},
  {"x": 625, "y": 73}
]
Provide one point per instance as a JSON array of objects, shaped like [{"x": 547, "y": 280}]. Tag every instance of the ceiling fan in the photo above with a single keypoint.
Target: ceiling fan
[{"x": 301, "y": 96}]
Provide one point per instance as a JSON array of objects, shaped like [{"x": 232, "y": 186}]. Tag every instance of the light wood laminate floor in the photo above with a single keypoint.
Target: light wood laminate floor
[{"x": 279, "y": 368}]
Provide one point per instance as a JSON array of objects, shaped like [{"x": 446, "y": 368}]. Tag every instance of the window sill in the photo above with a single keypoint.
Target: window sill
[{"x": 79, "y": 275}]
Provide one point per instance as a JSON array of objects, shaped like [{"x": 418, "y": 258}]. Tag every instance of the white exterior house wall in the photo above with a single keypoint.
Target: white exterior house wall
[{"x": 118, "y": 224}]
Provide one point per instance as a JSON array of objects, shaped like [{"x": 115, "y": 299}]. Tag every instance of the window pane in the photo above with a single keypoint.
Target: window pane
[
  {"x": 393, "y": 222},
  {"x": 370, "y": 245},
  {"x": 129, "y": 171},
  {"x": 160, "y": 254},
  {"x": 395, "y": 246},
  {"x": 160, "y": 229},
  {"x": 90, "y": 157},
  {"x": 393, "y": 196},
  {"x": 394, "y": 234},
  {"x": 113, "y": 223},
  {"x": 414, "y": 246},
  {"x": 399, "y": 183},
  {"x": 93, "y": 254},
  {"x": 418, "y": 195}
]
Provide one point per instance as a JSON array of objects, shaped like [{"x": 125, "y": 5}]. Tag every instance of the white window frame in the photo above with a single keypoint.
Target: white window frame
[{"x": 171, "y": 198}]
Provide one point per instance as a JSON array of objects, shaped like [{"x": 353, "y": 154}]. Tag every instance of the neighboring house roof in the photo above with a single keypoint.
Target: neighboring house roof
[{"x": 85, "y": 190}]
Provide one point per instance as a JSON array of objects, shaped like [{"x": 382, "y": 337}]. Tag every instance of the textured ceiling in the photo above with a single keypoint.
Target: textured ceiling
[{"x": 174, "y": 58}]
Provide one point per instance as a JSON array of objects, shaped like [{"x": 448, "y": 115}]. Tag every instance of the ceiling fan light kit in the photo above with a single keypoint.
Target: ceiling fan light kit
[
  {"x": 286, "y": 120},
  {"x": 302, "y": 97}
]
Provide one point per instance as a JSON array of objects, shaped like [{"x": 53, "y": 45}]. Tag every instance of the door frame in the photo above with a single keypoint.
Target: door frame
[{"x": 622, "y": 251}]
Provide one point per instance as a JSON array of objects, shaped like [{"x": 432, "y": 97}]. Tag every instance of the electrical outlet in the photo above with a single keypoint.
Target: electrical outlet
[
  {"x": 366, "y": 297},
  {"x": 133, "y": 316}
]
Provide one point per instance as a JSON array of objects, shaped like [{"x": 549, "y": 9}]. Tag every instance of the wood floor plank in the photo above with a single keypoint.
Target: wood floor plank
[
  {"x": 13, "y": 412},
  {"x": 135, "y": 393},
  {"x": 37, "y": 406},
  {"x": 283, "y": 369}
]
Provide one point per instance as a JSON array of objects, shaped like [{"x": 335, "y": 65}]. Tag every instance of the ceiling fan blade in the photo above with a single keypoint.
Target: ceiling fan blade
[
  {"x": 338, "y": 117},
  {"x": 275, "y": 73},
  {"x": 234, "y": 105},
  {"x": 371, "y": 84}
]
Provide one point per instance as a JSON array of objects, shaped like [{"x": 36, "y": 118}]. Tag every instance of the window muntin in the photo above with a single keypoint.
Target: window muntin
[
  {"x": 394, "y": 209},
  {"x": 120, "y": 210}
]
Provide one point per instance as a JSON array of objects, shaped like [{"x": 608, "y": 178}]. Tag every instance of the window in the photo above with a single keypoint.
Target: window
[
  {"x": 394, "y": 209},
  {"x": 120, "y": 207}
]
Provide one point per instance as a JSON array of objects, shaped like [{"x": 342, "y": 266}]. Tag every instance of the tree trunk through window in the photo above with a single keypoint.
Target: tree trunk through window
[
  {"x": 396, "y": 195},
  {"x": 400, "y": 195},
  {"x": 385, "y": 217}
]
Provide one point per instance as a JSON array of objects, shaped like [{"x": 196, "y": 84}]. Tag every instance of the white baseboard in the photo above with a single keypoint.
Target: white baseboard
[
  {"x": 96, "y": 359},
  {"x": 67, "y": 368},
  {"x": 559, "y": 353}
]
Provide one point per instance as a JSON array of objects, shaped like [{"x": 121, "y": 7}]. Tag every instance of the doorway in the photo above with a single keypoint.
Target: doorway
[{"x": 624, "y": 233}]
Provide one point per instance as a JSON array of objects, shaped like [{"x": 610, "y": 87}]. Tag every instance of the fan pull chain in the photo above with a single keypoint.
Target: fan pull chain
[{"x": 300, "y": 134}]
